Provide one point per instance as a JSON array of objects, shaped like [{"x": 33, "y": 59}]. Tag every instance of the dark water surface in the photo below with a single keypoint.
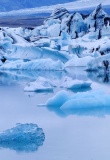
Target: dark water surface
[{"x": 21, "y": 22}]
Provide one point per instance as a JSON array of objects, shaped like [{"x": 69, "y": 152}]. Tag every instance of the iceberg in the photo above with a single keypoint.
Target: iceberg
[
  {"x": 77, "y": 25},
  {"x": 67, "y": 103},
  {"x": 64, "y": 40},
  {"x": 40, "y": 85},
  {"x": 39, "y": 64},
  {"x": 96, "y": 18},
  {"x": 22, "y": 138},
  {"x": 58, "y": 100},
  {"x": 53, "y": 30},
  {"x": 69, "y": 83},
  {"x": 59, "y": 13},
  {"x": 78, "y": 62}
]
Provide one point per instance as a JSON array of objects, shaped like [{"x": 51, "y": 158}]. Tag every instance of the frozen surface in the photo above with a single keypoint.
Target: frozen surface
[{"x": 23, "y": 137}]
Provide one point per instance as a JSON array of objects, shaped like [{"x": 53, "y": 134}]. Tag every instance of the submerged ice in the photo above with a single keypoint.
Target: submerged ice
[{"x": 22, "y": 137}]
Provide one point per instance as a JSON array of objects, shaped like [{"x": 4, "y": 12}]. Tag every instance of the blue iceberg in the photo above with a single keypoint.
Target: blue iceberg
[
  {"x": 94, "y": 103},
  {"x": 22, "y": 138}
]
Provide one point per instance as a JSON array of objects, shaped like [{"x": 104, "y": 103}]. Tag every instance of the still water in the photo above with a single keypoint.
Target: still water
[{"x": 84, "y": 135}]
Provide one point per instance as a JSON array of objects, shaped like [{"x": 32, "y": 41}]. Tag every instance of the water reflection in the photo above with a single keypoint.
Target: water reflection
[
  {"x": 21, "y": 76},
  {"x": 75, "y": 90},
  {"x": 15, "y": 76},
  {"x": 11, "y": 77},
  {"x": 106, "y": 78},
  {"x": 88, "y": 111},
  {"x": 22, "y": 138},
  {"x": 94, "y": 112},
  {"x": 57, "y": 110},
  {"x": 99, "y": 77},
  {"x": 41, "y": 93}
]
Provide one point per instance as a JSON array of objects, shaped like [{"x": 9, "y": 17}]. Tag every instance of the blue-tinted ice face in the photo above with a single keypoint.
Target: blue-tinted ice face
[{"x": 23, "y": 137}]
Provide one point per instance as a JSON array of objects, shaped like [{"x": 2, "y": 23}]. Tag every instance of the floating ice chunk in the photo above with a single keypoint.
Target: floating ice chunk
[
  {"x": 69, "y": 83},
  {"x": 78, "y": 62},
  {"x": 93, "y": 103},
  {"x": 86, "y": 100},
  {"x": 97, "y": 17},
  {"x": 59, "y": 99},
  {"x": 65, "y": 35},
  {"x": 23, "y": 32},
  {"x": 31, "y": 52},
  {"x": 77, "y": 25},
  {"x": 68, "y": 103},
  {"x": 23, "y": 137},
  {"x": 77, "y": 50},
  {"x": 40, "y": 64},
  {"x": 59, "y": 13},
  {"x": 42, "y": 43},
  {"x": 54, "y": 30},
  {"x": 40, "y": 85},
  {"x": 43, "y": 32},
  {"x": 27, "y": 51},
  {"x": 55, "y": 54}
]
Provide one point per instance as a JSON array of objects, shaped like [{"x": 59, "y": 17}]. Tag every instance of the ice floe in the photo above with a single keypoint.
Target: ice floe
[
  {"x": 69, "y": 83},
  {"x": 40, "y": 85},
  {"x": 67, "y": 102},
  {"x": 40, "y": 64},
  {"x": 22, "y": 138}
]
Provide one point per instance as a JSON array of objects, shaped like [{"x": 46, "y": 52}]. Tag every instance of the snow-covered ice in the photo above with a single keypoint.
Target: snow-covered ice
[
  {"x": 97, "y": 64},
  {"x": 40, "y": 64},
  {"x": 64, "y": 40},
  {"x": 40, "y": 85},
  {"x": 78, "y": 62}
]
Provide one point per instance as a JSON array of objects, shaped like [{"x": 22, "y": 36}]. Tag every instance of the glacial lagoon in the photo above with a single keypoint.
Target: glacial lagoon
[{"x": 82, "y": 134}]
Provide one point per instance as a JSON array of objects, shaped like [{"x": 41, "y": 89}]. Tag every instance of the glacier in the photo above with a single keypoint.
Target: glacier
[{"x": 22, "y": 138}]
